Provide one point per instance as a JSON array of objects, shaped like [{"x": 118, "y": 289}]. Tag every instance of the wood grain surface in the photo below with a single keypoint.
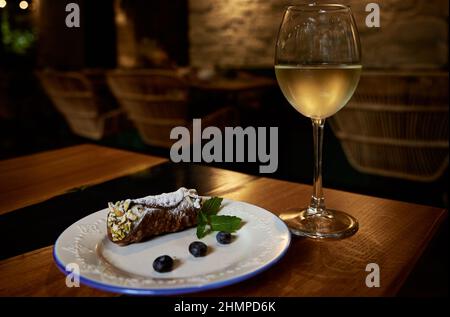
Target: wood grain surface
[
  {"x": 392, "y": 234},
  {"x": 28, "y": 180},
  {"x": 35, "y": 274}
]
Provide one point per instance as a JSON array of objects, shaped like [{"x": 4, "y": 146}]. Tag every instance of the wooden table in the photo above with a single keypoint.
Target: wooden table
[
  {"x": 31, "y": 179},
  {"x": 392, "y": 234}
]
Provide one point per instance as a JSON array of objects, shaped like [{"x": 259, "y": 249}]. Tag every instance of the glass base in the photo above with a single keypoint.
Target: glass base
[{"x": 330, "y": 224}]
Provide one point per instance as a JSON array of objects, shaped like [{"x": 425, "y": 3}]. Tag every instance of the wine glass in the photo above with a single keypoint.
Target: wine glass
[{"x": 318, "y": 65}]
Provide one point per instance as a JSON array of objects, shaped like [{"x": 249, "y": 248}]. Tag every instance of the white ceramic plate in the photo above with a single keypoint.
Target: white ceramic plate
[{"x": 260, "y": 243}]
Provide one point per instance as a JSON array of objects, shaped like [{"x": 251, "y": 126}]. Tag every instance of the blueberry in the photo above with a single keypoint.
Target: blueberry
[
  {"x": 223, "y": 237},
  {"x": 198, "y": 248},
  {"x": 163, "y": 263}
]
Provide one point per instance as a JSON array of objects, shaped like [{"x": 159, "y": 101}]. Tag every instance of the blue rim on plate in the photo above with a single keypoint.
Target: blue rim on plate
[{"x": 175, "y": 290}]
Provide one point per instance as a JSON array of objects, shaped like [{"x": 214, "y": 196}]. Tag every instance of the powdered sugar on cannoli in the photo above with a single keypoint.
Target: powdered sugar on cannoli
[
  {"x": 168, "y": 200},
  {"x": 133, "y": 220}
]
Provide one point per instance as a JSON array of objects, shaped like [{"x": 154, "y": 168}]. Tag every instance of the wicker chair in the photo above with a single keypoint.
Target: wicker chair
[
  {"x": 396, "y": 125},
  {"x": 84, "y": 99},
  {"x": 157, "y": 101}
]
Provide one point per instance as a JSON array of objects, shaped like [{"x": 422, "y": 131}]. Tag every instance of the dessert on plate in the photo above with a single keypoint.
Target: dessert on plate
[{"x": 134, "y": 220}]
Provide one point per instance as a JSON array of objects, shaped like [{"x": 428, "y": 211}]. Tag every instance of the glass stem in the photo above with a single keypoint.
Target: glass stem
[{"x": 317, "y": 205}]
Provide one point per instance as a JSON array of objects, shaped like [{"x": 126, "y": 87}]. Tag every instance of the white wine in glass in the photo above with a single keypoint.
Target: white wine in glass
[
  {"x": 318, "y": 91},
  {"x": 318, "y": 66}
]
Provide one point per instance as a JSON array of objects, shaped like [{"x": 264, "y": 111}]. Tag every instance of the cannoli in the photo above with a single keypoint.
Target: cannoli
[{"x": 134, "y": 220}]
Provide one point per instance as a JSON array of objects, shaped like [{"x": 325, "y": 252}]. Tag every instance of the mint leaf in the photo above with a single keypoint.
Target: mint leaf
[
  {"x": 202, "y": 218},
  {"x": 201, "y": 231},
  {"x": 212, "y": 206},
  {"x": 208, "y": 220},
  {"x": 224, "y": 223}
]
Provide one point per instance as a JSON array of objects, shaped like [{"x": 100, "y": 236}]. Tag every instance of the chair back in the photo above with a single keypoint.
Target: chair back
[
  {"x": 155, "y": 100},
  {"x": 396, "y": 125},
  {"x": 85, "y": 101}
]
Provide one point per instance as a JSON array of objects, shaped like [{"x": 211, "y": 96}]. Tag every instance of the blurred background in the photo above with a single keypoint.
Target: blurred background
[{"x": 134, "y": 69}]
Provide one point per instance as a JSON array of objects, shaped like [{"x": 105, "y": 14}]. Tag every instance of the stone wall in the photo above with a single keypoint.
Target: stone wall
[{"x": 236, "y": 33}]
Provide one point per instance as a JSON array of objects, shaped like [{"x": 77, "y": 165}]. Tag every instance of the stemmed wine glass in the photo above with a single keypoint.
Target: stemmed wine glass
[{"x": 318, "y": 65}]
